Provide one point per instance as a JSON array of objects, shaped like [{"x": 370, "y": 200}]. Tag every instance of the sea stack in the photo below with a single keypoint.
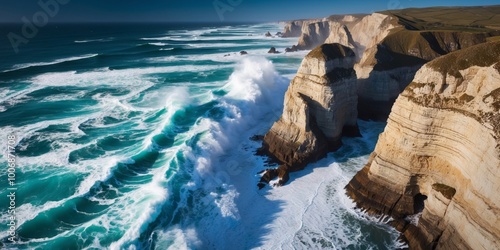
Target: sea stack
[
  {"x": 439, "y": 156},
  {"x": 320, "y": 107}
]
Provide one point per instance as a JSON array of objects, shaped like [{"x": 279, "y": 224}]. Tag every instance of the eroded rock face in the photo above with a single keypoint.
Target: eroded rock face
[
  {"x": 319, "y": 107},
  {"x": 389, "y": 66},
  {"x": 293, "y": 29},
  {"x": 357, "y": 32},
  {"x": 440, "y": 155},
  {"x": 388, "y": 55}
]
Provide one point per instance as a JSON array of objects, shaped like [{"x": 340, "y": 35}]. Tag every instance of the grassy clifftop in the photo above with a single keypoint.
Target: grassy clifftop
[
  {"x": 428, "y": 33},
  {"x": 482, "y": 55},
  {"x": 470, "y": 19}
]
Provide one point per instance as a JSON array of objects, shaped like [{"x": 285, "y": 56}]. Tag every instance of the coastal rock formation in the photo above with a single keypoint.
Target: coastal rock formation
[
  {"x": 273, "y": 50},
  {"x": 389, "y": 66},
  {"x": 293, "y": 29},
  {"x": 313, "y": 34},
  {"x": 292, "y": 49},
  {"x": 389, "y": 49},
  {"x": 319, "y": 107},
  {"x": 334, "y": 29},
  {"x": 439, "y": 156}
]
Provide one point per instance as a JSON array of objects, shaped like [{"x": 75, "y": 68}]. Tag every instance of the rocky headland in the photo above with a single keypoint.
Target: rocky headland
[
  {"x": 320, "y": 107},
  {"x": 390, "y": 47},
  {"x": 434, "y": 75},
  {"x": 439, "y": 155}
]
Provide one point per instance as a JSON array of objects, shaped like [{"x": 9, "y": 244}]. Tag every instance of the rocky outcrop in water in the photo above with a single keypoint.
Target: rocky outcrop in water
[
  {"x": 439, "y": 156},
  {"x": 273, "y": 50},
  {"x": 319, "y": 107}
]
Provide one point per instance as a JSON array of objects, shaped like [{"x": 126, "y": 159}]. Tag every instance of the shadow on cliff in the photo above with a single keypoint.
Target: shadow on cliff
[{"x": 352, "y": 147}]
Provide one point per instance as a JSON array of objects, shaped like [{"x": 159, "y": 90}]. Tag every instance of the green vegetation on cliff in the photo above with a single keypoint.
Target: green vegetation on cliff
[
  {"x": 482, "y": 55},
  {"x": 432, "y": 32},
  {"x": 470, "y": 19}
]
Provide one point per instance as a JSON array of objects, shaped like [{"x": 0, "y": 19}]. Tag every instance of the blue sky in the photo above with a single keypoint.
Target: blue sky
[{"x": 205, "y": 11}]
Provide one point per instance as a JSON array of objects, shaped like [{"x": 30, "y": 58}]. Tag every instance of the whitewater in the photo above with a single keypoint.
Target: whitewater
[{"x": 143, "y": 137}]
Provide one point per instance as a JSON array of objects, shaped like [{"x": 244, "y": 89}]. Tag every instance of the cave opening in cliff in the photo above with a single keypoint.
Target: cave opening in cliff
[{"x": 418, "y": 203}]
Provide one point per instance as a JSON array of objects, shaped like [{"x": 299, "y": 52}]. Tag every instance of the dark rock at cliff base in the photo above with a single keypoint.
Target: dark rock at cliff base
[
  {"x": 257, "y": 138},
  {"x": 268, "y": 34},
  {"x": 273, "y": 51},
  {"x": 279, "y": 34},
  {"x": 282, "y": 173},
  {"x": 292, "y": 49},
  {"x": 269, "y": 175},
  {"x": 243, "y": 53}
]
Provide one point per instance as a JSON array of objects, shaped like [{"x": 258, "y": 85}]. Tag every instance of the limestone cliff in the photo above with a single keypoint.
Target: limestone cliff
[
  {"x": 319, "y": 107},
  {"x": 439, "y": 156},
  {"x": 389, "y": 51},
  {"x": 388, "y": 67},
  {"x": 292, "y": 29}
]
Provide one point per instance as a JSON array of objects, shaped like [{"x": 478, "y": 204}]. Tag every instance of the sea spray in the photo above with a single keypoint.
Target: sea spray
[{"x": 143, "y": 142}]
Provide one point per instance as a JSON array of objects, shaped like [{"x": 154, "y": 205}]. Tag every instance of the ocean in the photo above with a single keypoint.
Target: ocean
[{"x": 139, "y": 136}]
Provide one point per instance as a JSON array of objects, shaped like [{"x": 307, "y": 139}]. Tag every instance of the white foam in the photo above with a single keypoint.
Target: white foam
[
  {"x": 149, "y": 198},
  {"x": 229, "y": 212},
  {"x": 217, "y": 45},
  {"x": 158, "y": 44},
  {"x": 121, "y": 77},
  {"x": 312, "y": 208},
  {"x": 177, "y": 238},
  {"x": 69, "y": 59},
  {"x": 95, "y": 40},
  {"x": 158, "y": 38}
]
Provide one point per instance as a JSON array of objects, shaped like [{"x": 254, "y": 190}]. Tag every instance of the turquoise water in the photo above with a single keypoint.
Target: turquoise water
[{"x": 137, "y": 137}]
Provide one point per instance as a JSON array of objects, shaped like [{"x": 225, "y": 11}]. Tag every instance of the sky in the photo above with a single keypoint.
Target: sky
[{"x": 204, "y": 10}]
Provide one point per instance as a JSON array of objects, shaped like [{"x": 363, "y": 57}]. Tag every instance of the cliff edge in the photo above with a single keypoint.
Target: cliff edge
[
  {"x": 319, "y": 107},
  {"x": 391, "y": 46},
  {"x": 439, "y": 156}
]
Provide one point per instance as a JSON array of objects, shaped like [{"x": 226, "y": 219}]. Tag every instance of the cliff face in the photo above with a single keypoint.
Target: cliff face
[
  {"x": 355, "y": 31},
  {"x": 313, "y": 34},
  {"x": 320, "y": 105},
  {"x": 439, "y": 155},
  {"x": 388, "y": 54},
  {"x": 387, "y": 67},
  {"x": 293, "y": 29}
]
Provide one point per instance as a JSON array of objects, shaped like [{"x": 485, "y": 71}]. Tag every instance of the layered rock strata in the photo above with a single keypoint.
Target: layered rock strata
[
  {"x": 319, "y": 107},
  {"x": 292, "y": 29},
  {"x": 439, "y": 156},
  {"x": 387, "y": 68},
  {"x": 388, "y": 53}
]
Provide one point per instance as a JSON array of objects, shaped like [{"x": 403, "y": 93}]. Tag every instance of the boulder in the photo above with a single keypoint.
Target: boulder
[{"x": 273, "y": 51}]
